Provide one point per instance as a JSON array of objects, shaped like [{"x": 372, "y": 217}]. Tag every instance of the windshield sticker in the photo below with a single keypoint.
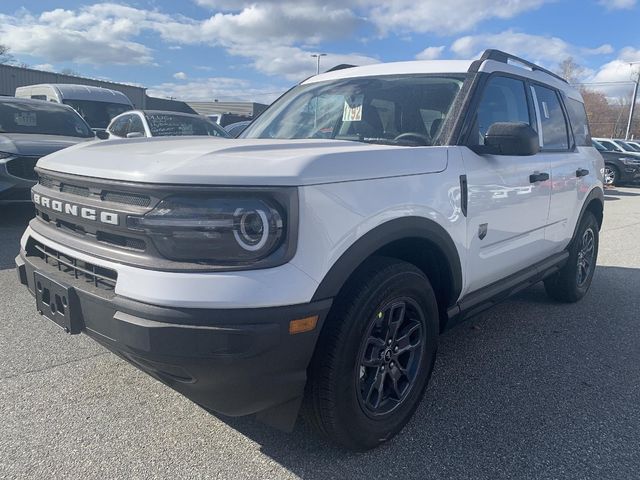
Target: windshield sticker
[
  {"x": 352, "y": 111},
  {"x": 25, "y": 119}
]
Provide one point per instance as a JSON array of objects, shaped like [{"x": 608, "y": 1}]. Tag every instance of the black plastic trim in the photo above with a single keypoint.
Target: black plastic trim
[
  {"x": 486, "y": 297},
  {"x": 374, "y": 240},
  {"x": 464, "y": 194},
  {"x": 504, "y": 57}
]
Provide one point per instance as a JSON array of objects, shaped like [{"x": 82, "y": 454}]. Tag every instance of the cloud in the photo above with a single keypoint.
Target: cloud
[
  {"x": 618, "y": 4},
  {"x": 443, "y": 17},
  {"x": 63, "y": 36},
  {"x": 537, "y": 48},
  {"x": 615, "y": 78},
  {"x": 180, "y": 76},
  {"x": 430, "y": 53},
  {"x": 47, "y": 67},
  {"x": 208, "y": 89}
]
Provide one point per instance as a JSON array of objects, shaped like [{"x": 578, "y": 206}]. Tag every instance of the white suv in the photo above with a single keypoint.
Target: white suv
[{"x": 315, "y": 260}]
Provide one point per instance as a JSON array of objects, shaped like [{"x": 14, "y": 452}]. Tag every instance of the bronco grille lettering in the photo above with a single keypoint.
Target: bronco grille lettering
[{"x": 111, "y": 218}]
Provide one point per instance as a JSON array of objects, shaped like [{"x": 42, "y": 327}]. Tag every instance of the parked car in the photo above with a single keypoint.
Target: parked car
[
  {"x": 97, "y": 105},
  {"x": 618, "y": 167},
  {"x": 315, "y": 259},
  {"x": 30, "y": 129},
  {"x": 158, "y": 123},
  {"x": 609, "y": 144},
  {"x": 634, "y": 144},
  {"x": 237, "y": 128},
  {"x": 224, "y": 119},
  {"x": 627, "y": 146}
]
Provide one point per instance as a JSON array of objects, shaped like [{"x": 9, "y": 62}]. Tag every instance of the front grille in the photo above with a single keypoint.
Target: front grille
[
  {"x": 122, "y": 241},
  {"x": 114, "y": 196},
  {"x": 126, "y": 198},
  {"x": 22, "y": 167},
  {"x": 99, "y": 277},
  {"x": 75, "y": 190}
]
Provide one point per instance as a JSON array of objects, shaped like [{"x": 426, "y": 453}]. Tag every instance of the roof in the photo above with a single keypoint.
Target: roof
[
  {"x": 86, "y": 92},
  {"x": 395, "y": 68},
  {"x": 30, "y": 101}
]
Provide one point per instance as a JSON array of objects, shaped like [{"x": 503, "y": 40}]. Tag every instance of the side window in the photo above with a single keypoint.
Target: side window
[
  {"x": 120, "y": 127},
  {"x": 503, "y": 100},
  {"x": 136, "y": 125},
  {"x": 579, "y": 122},
  {"x": 550, "y": 118}
]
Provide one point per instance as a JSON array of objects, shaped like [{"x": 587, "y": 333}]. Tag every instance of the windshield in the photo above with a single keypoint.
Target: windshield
[
  {"x": 396, "y": 110},
  {"x": 167, "y": 125},
  {"x": 610, "y": 146},
  {"x": 41, "y": 118},
  {"x": 598, "y": 146},
  {"x": 629, "y": 147},
  {"x": 97, "y": 114}
]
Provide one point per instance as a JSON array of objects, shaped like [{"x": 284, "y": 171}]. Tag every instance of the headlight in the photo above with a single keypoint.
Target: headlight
[
  {"x": 227, "y": 229},
  {"x": 6, "y": 155},
  {"x": 629, "y": 161}
]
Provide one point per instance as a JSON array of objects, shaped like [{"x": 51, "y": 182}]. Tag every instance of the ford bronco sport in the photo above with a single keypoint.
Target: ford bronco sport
[{"x": 313, "y": 262}]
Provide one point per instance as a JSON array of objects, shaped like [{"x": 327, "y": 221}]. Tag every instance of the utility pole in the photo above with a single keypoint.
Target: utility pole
[
  {"x": 633, "y": 102},
  {"x": 317, "y": 57}
]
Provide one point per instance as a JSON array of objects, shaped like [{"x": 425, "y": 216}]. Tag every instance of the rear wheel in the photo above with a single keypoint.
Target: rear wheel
[
  {"x": 572, "y": 282},
  {"x": 374, "y": 356}
]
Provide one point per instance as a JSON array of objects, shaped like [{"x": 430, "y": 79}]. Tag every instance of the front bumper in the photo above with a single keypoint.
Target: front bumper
[{"x": 231, "y": 361}]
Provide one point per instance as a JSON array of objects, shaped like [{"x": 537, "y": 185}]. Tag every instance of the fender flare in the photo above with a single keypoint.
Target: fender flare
[
  {"x": 595, "y": 194},
  {"x": 382, "y": 235}
]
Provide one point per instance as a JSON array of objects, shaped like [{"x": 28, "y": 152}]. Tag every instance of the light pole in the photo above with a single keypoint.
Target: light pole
[
  {"x": 317, "y": 57},
  {"x": 633, "y": 102}
]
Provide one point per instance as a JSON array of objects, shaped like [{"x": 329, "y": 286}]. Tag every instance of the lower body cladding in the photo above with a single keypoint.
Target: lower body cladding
[{"x": 230, "y": 361}]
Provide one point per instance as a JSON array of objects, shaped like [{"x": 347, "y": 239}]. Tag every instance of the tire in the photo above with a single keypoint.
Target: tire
[
  {"x": 611, "y": 175},
  {"x": 572, "y": 282},
  {"x": 342, "y": 393}
]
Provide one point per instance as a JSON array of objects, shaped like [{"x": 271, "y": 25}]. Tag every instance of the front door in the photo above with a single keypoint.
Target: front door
[{"x": 507, "y": 208}]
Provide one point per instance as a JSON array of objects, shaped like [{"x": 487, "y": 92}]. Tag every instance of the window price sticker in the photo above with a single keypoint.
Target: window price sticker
[
  {"x": 25, "y": 119},
  {"x": 352, "y": 111}
]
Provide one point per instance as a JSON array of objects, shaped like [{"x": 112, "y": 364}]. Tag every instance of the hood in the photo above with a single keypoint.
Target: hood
[
  {"x": 28, "y": 144},
  {"x": 218, "y": 161}
]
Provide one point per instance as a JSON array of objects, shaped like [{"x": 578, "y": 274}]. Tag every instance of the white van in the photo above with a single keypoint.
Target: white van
[{"x": 96, "y": 104}]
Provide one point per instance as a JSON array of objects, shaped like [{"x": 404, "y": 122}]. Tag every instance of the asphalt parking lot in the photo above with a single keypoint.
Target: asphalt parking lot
[{"x": 530, "y": 389}]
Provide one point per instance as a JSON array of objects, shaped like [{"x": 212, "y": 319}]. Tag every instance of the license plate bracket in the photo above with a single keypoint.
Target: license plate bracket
[{"x": 57, "y": 302}]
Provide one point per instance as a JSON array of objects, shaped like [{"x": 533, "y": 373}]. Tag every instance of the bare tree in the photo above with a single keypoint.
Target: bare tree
[
  {"x": 570, "y": 70},
  {"x": 5, "y": 55}
]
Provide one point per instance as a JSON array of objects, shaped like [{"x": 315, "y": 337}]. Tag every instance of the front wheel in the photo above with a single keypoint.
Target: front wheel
[
  {"x": 611, "y": 175},
  {"x": 572, "y": 282},
  {"x": 374, "y": 356}
]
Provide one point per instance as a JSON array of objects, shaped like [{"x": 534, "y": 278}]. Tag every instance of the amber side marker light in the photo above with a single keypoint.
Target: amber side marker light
[{"x": 303, "y": 325}]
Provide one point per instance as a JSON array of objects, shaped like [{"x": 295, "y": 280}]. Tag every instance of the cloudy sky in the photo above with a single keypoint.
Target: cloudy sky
[{"x": 253, "y": 50}]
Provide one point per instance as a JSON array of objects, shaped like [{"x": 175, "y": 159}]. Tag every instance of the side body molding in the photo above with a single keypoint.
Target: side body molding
[{"x": 399, "y": 229}]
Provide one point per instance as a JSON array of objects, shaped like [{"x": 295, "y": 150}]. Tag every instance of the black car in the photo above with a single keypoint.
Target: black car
[
  {"x": 618, "y": 167},
  {"x": 30, "y": 129}
]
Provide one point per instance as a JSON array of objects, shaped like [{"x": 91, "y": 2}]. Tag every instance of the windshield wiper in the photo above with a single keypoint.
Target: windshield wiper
[{"x": 389, "y": 141}]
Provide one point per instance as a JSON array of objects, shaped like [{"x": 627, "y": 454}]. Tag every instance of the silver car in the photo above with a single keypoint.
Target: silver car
[{"x": 30, "y": 129}]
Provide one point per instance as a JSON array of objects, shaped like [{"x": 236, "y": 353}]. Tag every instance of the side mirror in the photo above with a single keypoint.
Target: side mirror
[
  {"x": 135, "y": 135},
  {"x": 102, "y": 134},
  {"x": 510, "y": 138}
]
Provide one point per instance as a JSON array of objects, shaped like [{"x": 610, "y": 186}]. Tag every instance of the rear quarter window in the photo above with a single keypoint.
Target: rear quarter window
[{"x": 579, "y": 122}]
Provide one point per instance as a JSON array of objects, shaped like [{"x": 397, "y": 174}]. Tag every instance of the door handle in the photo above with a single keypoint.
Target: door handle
[
  {"x": 538, "y": 177},
  {"x": 582, "y": 172}
]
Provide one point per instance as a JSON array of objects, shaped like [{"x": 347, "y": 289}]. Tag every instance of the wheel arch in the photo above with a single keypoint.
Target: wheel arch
[
  {"x": 594, "y": 203},
  {"x": 417, "y": 240}
]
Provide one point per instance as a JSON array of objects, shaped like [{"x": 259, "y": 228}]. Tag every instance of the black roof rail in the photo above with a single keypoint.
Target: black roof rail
[
  {"x": 504, "y": 57},
  {"x": 342, "y": 66}
]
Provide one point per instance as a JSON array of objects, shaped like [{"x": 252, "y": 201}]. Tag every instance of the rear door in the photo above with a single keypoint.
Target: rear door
[
  {"x": 507, "y": 213},
  {"x": 569, "y": 163}
]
